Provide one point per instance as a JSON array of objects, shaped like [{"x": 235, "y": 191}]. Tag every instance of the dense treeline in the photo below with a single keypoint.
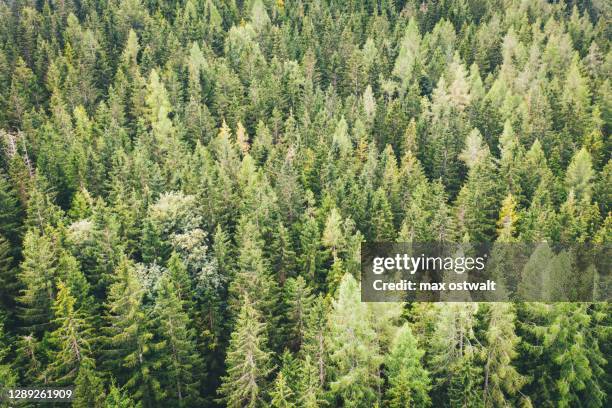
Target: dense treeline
[{"x": 184, "y": 187}]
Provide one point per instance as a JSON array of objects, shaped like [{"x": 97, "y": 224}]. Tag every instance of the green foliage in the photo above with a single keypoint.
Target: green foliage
[
  {"x": 409, "y": 382},
  {"x": 354, "y": 352},
  {"x": 185, "y": 185},
  {"x": 179, "y": 347},
  {"x": 89, "y": 387},
  {"x": 71, "y": 339},
  {"x": 129, "y": 340},
  {"x": 248, "y": 361}
]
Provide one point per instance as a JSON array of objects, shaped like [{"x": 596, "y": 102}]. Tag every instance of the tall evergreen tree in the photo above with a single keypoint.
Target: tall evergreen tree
[
  {"x": 409, "y": 382},
  {"x": 129, "y": 341},
  {"x": 179, "y": 347},
  {"x": 247, "y": 361},
  {"x": 71, "y": 339},
  {"x": 354, "y": 354}
]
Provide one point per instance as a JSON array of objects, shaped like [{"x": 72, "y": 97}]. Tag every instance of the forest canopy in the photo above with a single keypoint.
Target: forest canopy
[{"x": 185, "y": 186}]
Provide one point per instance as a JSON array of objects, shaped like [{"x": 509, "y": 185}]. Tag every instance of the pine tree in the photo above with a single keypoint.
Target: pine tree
[{"x": 247, "y": 360}]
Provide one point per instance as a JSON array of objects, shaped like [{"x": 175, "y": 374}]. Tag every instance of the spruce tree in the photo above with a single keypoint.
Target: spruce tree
[
  {"x": 309, "y": 389},
  {"x": 457, "y": 379},
  {"x": 8, "y": 276},
  {"x": 354, "y": 353},
  {"x": 37, "y": 275},
  {"x": 247, "y": 361},
  {"x": 118, "y": 398},
  {"x": 502, "y": 381},
  {"x": 88, "y": 387},
  {"x": 479, "y": 197},
  {"x": 71, "y": 340},
  {"x": 409, "y": 382},
  {"x": 316, "y": 346},
  {"x": 298, "y": 300},
  {"x": 128, "y": 338},
  {"x": 179, "y": 347},
  {"x": 7, "y": 373},
  {"x": 566, "y": 369},
  {"x": 281, "y": 395}
]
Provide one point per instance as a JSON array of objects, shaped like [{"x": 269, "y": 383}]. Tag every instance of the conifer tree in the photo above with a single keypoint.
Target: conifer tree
[
  {"x": 354, "y": 354},
  {"x": 71, "y": 339},
  {"x": 89, "y": 387},
  {"x": 316, "y": 345},
  {"x": 579, "y": 175},
  {"x": 309, "y": 389},
  {"x": 478, "y": 199},
  {"x": 407, "y": 60},
  {"x": 247, "y": 360},
  {"x": 38, "y": 272},
  {"x": 10, "y": 212},
  {"x": 566, "y": 370},
  {"x": 179, "y": 348},
  {"x": 298, "y": 299},
  {"x": 310, "y": 243},
  {"x": 453, "y": 348},
  {"x": 7, "y": 275},
  {"x": 409, "y": 382},
  {"x": 253, "y": 278},
  {"x": 118, "y": 398},
  {"x": 283, "y": 255},
  {"x": 332, "y": 234},
  {"x": 281, "y": 395},
  {"x": 129, "y": 341},
  {"x": 502, "y": 381},
  {"x": 7, "y": 374}
]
